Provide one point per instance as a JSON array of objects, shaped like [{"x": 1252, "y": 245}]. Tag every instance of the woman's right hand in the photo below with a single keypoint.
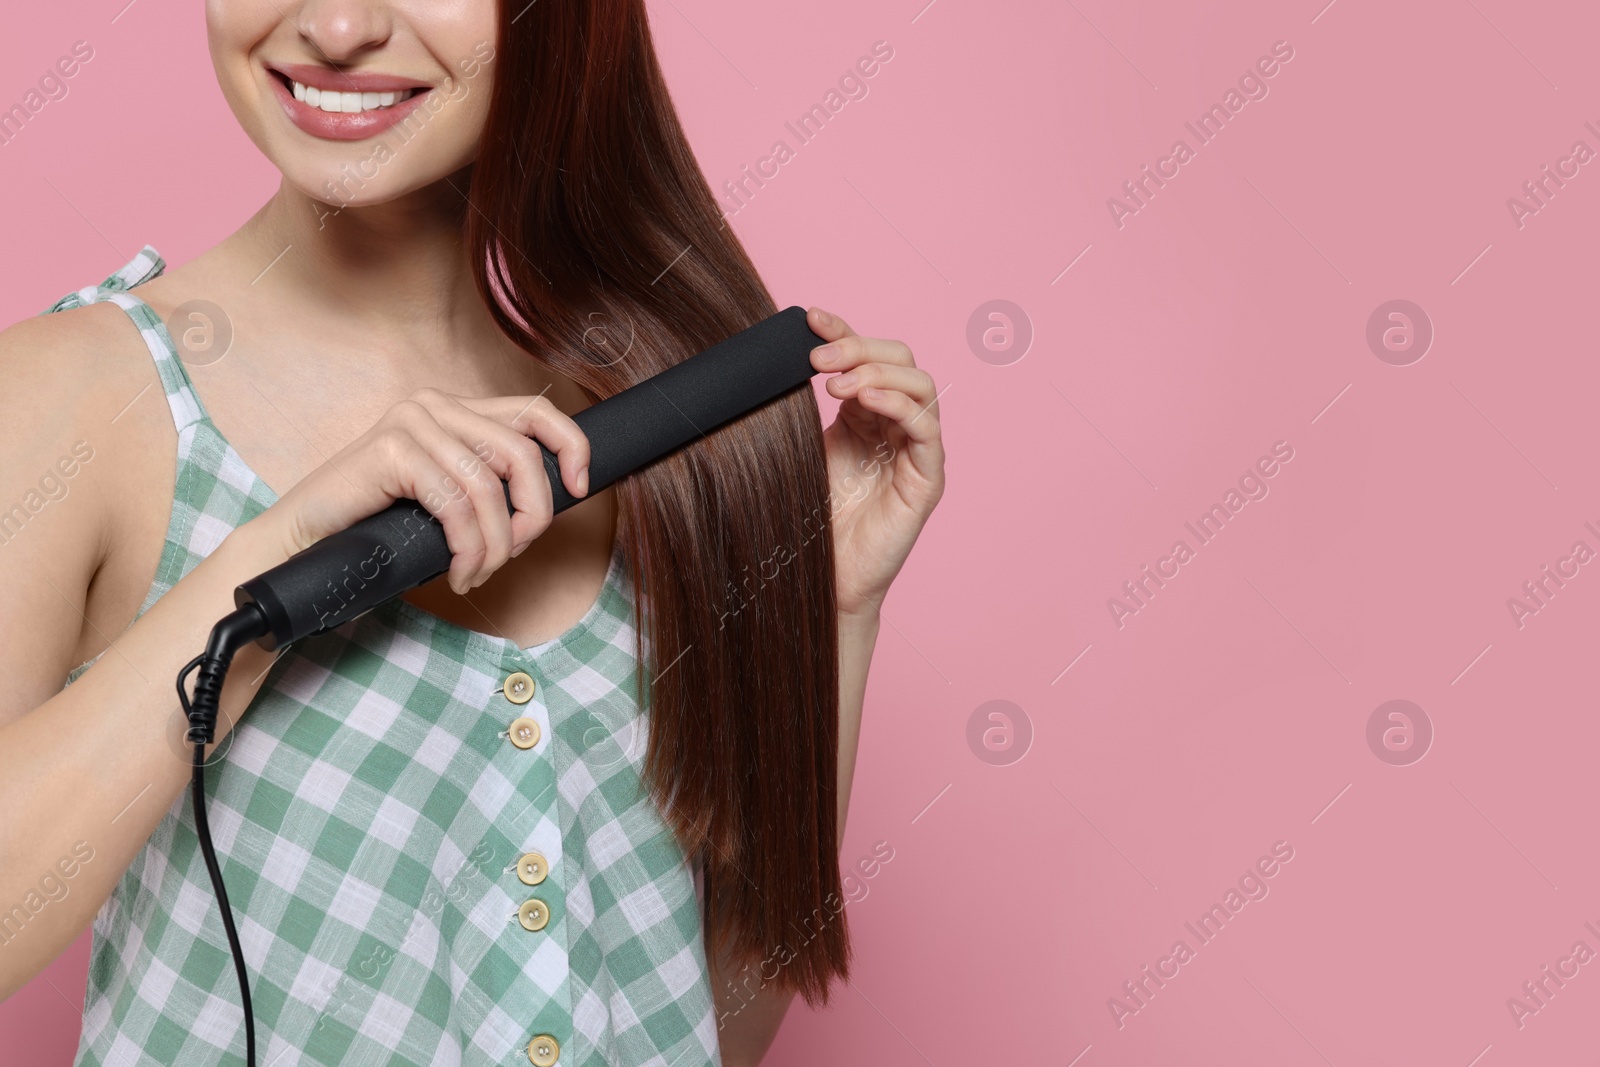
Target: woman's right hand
[
  {"x": 450, "y": 454},
  {"x": 101, "y": 762}
]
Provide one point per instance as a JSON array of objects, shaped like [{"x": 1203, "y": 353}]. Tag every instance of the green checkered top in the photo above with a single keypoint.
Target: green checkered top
[{"x": 370, "y": 813}]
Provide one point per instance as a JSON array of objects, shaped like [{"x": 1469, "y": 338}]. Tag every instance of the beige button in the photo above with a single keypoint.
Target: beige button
[
  {"x": 524, "y": 733},
  {"x": 518, "y": 688},
  {"x": 533, "y": 916},
  {"x": 532, "y": 869},
  {"x": 543, "y": 1051}
]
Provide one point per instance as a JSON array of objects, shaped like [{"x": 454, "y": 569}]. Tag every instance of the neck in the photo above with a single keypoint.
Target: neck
[{"x": 398, "y": 269}]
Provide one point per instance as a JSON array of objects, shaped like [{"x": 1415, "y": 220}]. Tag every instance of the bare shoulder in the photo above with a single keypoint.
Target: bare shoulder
[
  {"x": 83, "y": 374},
  {"x": 87, "y": 449},
  {"x": 72, "y": 364}
]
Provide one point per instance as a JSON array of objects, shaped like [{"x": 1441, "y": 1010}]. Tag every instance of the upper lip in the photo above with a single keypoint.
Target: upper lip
[{"x": 345, "y": 81}]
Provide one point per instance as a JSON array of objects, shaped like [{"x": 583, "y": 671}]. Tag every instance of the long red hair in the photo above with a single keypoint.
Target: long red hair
[{"x": 592, "y": 231}]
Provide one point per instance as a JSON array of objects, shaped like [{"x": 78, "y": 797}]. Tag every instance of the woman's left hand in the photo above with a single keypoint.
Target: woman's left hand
[{"x": 885, "y": 457}]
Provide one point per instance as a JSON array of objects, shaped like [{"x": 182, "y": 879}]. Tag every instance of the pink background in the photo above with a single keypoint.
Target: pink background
[{"x": 1223, "y": 317}]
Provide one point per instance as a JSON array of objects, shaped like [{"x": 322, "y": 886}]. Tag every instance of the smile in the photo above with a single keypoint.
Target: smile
[
  {"x": 349, "y": 106},
  {"x": 347, "y": 103}
]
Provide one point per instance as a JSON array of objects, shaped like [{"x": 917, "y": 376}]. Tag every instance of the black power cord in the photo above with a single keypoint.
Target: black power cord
[{"x": 232, "y": 633}]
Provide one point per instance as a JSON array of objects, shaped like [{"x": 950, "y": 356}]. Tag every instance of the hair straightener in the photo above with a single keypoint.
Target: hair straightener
[{"x": 347, "y": 574}]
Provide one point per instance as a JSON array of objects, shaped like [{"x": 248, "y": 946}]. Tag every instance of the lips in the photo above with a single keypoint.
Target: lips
[
  {"x": 343, "y": 106},
  {"x": 359, "y": 81}
]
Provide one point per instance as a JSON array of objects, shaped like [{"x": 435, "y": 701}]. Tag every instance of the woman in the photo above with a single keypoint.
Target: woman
[{"x": 578, "y": 801}]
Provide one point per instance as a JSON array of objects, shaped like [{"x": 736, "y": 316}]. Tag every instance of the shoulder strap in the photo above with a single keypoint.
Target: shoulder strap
[
  {"x": 181, "y": 396},
  {"x": 141, "y": 268}
]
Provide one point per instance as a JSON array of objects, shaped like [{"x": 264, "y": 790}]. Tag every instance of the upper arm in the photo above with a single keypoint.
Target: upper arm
[{"x": 62, "y": 377}]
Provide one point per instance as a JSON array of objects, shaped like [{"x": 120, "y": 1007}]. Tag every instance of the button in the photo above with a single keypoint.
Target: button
[
  {"x": 543, "y": 1051},
  {"x": 532, "y": 868},
  {"x": 518, "y": 688},
  {"x": 524, "y": 733},
  {"x": 534, "y": 916}
]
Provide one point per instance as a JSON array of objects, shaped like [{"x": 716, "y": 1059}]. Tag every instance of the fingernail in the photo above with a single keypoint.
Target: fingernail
[
  {"x": 826, "y": 354},
  {"x": 849, "y": 378},
  {"x": 583, "y": 482},
  {"x": 824, "y": 318}
]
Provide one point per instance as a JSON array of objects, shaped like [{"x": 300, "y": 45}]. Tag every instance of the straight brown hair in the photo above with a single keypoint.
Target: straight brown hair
[{"x": 593, "y": 233}]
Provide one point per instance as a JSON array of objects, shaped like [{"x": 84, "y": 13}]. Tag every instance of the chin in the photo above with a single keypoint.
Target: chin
[{"x": 357, "y": 174}]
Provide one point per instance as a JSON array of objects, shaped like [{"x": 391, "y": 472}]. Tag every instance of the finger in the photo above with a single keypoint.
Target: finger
[
  {"x": 853, "y": 351},
  {"x": 419, "y": 477},
  {"x": 473, "y": 481},
  {"x": 537, "y": 417},
  {"x": 516, "y": 460},
  {"x": 915, "y": 383},
  {"x": 511, "y": 456},
  {"x": 827, "y": 325},
  {"x": 920, "y": 424},
  {"x": 469, "y": 478}
]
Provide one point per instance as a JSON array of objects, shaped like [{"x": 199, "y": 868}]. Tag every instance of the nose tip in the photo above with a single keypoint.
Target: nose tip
[{"x": 340, "y": 30}]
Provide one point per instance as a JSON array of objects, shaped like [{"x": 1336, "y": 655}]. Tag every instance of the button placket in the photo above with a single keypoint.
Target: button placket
[{"x": 537, "y": 882}]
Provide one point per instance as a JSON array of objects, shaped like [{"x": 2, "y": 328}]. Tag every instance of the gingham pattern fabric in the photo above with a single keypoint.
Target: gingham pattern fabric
[{"x": 369, "y": 813}]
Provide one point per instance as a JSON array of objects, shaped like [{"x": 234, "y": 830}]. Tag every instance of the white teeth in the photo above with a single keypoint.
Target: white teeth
[{"x": 348, "y": 103}]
